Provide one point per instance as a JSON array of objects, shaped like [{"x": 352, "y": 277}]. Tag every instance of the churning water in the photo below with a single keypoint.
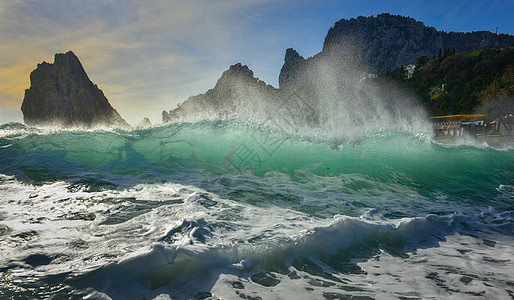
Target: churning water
[
  {"x": 343, "y": 196},
  {"x": 231, "y": 210}
]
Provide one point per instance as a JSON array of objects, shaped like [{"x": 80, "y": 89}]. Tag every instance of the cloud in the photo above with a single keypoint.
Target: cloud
[
  {"x": 131, "y": 49},
  {"x": 161, "y": 51}
]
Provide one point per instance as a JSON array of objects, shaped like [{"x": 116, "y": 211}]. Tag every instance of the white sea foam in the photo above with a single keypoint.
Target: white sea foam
[{"x": 187, "y": 240}]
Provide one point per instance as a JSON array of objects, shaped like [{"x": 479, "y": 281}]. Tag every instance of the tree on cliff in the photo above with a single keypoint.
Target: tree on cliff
[{"x": 464, "y": 82}]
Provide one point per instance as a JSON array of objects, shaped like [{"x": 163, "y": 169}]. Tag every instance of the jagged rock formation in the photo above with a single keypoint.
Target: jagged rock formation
[
  {"x": 62, "y": 94},
  {"x": 384, "y": 43},
  {"x": 145, "y": 123},
  {"x": 237, "y": 92}
]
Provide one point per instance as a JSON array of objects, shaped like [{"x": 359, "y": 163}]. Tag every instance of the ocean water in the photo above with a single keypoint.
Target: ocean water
[{"x": 228, "y": 210}]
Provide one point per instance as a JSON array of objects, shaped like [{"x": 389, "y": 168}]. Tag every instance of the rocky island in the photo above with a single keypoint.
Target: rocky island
[{"x": 61, "y": 94}]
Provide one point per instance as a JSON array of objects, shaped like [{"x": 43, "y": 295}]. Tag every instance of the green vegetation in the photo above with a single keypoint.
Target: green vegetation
[{"x": 463, "y": 82}]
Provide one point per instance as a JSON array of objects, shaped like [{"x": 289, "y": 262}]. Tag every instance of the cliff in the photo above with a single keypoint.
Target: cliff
[
  {"x": 384, "y": 43},
  {"x": 62, "y": 94}
]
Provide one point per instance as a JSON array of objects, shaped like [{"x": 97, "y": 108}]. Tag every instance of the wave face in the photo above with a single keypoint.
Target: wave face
[{"x": 226, "y": 209}]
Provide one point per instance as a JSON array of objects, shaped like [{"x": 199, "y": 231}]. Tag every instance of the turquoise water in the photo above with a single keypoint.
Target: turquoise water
[{"x": 230, "y": 210}]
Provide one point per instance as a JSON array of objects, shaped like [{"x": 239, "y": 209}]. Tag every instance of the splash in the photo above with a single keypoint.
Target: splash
[{"x": 328, "y": 98}]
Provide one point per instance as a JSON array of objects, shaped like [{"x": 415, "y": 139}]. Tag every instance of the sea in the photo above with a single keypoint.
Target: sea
[{"x": 225, "y": 209}]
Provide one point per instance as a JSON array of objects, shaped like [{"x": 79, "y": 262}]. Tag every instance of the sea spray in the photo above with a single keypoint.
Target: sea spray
[
  {"x": 392, "y": 161},
  {"x": 169, "y": 210},
  {"x": 330, "y": 99},
  {"x": 330, "y": 187}
]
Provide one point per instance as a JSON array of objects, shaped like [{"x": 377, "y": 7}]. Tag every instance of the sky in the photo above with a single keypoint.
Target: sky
[{"x": 148, "y": 56}]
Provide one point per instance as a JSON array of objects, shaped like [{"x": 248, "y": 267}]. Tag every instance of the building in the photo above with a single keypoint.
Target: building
[{"x": 449, "y": 128}]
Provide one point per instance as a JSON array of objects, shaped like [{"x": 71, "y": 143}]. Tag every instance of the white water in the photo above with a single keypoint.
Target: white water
[{"x": 182, "y": 240}]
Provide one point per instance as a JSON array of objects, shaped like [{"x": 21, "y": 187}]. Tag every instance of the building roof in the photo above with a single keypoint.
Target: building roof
[{"x": 461, "y": 117}]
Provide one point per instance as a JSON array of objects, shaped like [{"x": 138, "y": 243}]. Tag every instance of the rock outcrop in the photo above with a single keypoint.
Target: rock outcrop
[
  {"x": 62, "y": 94},
  {"x": 145, "y": 123},
  {"x": 384, "y": 43},
  {"x": 237, "y": 93}
]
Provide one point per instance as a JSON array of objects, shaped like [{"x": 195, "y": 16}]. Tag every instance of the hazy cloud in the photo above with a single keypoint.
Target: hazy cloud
[{"x": 133, "y": 50}]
